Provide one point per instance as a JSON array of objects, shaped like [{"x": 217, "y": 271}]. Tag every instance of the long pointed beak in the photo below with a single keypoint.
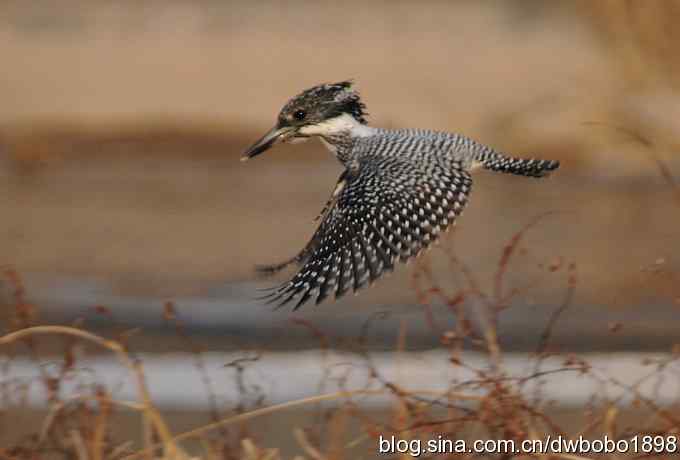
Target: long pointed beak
[{"x": 269, "y": 139}]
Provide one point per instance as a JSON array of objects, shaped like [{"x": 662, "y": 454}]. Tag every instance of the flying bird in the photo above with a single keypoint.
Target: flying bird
[{"x": 399, "y": 190}]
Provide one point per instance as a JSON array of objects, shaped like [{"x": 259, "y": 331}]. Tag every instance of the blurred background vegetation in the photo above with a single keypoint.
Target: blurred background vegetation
[{"x": 121, "y": 125}]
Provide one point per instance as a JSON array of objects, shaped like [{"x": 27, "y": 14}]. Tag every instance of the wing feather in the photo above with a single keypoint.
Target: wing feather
[{"x": 379, "y": 213}]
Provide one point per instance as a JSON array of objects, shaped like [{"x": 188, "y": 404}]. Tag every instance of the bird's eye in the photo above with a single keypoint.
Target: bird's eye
[{"x": 299, "y": 115}]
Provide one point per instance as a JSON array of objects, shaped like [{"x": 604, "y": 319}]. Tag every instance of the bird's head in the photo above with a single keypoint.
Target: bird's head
[{"x": 324, "y": 110}]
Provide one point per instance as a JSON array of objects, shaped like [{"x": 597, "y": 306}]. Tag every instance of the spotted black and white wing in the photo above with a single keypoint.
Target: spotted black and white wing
[
  {"x": 301, "y": 257},
  {"x": 385, "y": 209}
]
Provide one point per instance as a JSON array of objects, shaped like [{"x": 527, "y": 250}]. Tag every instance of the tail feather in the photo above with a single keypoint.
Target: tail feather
[
  {"x": 520, "y": 166},
  {"x": 496, "y": 161}
]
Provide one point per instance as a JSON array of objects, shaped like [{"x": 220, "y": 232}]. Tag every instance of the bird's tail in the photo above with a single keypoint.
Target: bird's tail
[
  {"x": 520, "y": 166},
  {"x": 495, "y": 161}
]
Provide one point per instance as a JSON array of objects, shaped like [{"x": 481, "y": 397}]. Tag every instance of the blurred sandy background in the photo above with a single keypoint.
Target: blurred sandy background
[{"x": 121, "y": 125}]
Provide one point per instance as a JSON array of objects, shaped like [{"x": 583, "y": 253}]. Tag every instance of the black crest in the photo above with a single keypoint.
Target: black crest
[{"x": 323, "y": 102}]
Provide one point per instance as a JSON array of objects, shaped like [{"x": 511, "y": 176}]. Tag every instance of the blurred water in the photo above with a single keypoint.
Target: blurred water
[
  {"x": 276, "y": 377},
  {"x": 227, "y": 317}
]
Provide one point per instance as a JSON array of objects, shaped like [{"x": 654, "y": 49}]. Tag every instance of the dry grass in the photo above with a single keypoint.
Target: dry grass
[{"x": 493, "y": 405}]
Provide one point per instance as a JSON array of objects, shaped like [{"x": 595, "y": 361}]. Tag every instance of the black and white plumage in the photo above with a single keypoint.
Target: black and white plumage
[{"x": 399, "y": 191}]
